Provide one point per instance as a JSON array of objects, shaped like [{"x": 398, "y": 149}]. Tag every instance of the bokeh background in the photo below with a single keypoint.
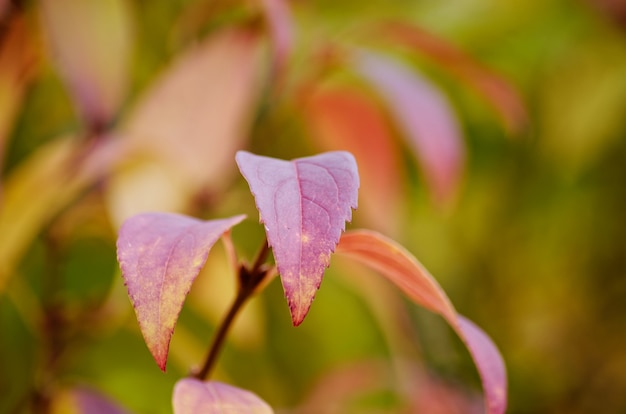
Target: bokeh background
[{"x": 109, "y": 108}]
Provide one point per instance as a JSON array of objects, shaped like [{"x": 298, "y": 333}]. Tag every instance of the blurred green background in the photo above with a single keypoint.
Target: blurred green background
[{"x": 105, "y": 108}]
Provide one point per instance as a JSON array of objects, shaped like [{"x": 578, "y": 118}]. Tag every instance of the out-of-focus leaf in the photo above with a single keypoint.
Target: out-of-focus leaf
[
  {"x": 82, "y": 400},
  {"x": 160, "y": 255},
  {"x": 143, "y": 184},
  {"x": 196, "y": 115},
  {"x": 345, "y": 119},
  {"x": 500, "y": 94},
  {"x": 425, "y": 118},
  {"x": 92, "y": 42},
  {"x": 403, "y": 269},
  {"x": 281, "y": 28},
  {"x": 42, "y": 186},
  {"x": 17, "y": 59},
  {"x": 304, "y": 204},
  {"x": 188, "y": 126},
  {"x": 334, "y": 391},
  {"x": 193, "y": 396},
  {"x": 434, "y": 396}
]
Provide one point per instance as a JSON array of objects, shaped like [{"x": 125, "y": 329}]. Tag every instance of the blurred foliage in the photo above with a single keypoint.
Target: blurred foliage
[{"x": 532, "y": 248}]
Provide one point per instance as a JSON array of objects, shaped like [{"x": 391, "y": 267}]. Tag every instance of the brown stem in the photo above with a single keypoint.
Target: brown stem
[
  {"x": 261, "y": 257},
  {"x": 220, "y": 336},
  {"x": 249, "y": 280}
]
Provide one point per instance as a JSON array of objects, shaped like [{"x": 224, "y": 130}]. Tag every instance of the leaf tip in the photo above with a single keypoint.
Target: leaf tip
[
  {"x": 241, "y": 154},
  {"x": 158, "y": 343},
  {"x": 298, "y": 313},
  {"x": 300, "y": 300}
]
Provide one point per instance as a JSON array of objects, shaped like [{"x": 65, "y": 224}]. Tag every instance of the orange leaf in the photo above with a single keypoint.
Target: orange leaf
[
  {"x": 405, "y": 271},
  {"x": 345, "y": 119}
]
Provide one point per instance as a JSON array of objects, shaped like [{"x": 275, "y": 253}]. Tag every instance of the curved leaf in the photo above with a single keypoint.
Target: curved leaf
[
  {"x": 406, "y": 272},
  {"x": 425, "y": 118},
  {"x": 194, "y": 396},
  {"x": 500, "y": 93},
  {"x": 304, "y": 204},
  {"x": 160, "y": 255}
]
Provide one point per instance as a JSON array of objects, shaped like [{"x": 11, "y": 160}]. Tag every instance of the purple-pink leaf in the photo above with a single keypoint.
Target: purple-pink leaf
[
  {"x": 501, "y": 94},
  {"x": 304, "y": 204},
  {"x": 90, "y": 401},
  {"x": 194, "y": 396},
  {"x": 160, "y": 255},
  {"x": 406, "y": 272},
  {"x": 281, "y": 29},
  {"x": 425, "y": 118}
]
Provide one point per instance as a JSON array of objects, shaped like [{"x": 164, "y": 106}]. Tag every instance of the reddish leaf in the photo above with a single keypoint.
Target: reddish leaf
[
  {"x": 18, "y": 59},
  {"x": 160, "y": 255},
  {"x": 4, "y": 8},
  {"x": 502, "y": 96},
  {"x": 342, "y": 118},
  {"x": 403, "y": 269},
  {"x": 304, "y": 205},
  {"x": 425, "y": 117},
  {"x": 194, "y": 396}
]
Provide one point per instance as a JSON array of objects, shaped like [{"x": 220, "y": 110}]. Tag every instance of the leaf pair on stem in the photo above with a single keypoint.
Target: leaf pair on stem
[{"x": 304, "y": 204}]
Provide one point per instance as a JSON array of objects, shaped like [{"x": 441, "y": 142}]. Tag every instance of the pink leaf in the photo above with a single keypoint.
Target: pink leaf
[
  {"x": 304, "y": 205},
  {"x": 425, "y": 117},
  {"x": 403, "y": 269},
  {"x": 160, "y": 255},
  {"x": 91, "y": 401},
  {"x": 281, "y": 29},
  {"x": 194, "y": 396},
  {"x": 502, "y": 95}
]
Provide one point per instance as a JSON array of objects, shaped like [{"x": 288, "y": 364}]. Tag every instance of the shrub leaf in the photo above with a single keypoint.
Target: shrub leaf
[
  {"x": 406, "y": 272},
  {"x": 194, "y": 396},
  {"x": 160, "y": 255},
  {"x": 304, "y": 204}
]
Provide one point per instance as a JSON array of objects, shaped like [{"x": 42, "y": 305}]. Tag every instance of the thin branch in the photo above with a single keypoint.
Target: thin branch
[{"x": 249, "y": 280}]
